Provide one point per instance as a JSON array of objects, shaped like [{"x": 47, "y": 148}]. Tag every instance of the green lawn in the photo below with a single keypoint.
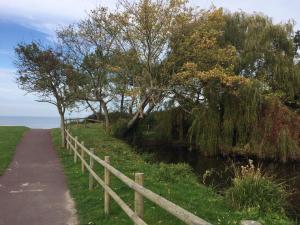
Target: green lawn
[
  {"x": 9, "y": 138},
  {"x": 174, "y": 182}
]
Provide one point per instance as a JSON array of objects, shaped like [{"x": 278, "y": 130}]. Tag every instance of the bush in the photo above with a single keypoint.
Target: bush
[
  {"x": 174, "y": 172},
  {"x": 254, "y": 190},
  {"x": 119, "y": 128}
]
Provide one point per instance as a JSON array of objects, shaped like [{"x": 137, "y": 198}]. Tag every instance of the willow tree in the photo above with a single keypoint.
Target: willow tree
[
  {"x": 266, "y": 52},
  {"x": 227, "y": 77},
  {"x": 145, "y": 28},
  {"x": 43, "y": 72},
  {"x": 223, "y": 105},
  {"x": 195, "y": 44}
]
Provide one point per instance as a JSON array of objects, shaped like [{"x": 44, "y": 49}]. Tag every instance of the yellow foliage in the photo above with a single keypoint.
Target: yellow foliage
[
  {"x": 225, "y": 77},
  {"x": 133, "y": 92}
]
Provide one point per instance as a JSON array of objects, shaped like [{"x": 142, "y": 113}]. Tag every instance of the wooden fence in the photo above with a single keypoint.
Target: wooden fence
[
  {"x": 85, "y": 121},
  {"x": 136, "y": 215}
]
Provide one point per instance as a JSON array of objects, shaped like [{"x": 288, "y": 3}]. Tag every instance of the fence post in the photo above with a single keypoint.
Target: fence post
[
  {"x": 67, "y": 138},
  {"x": 138, "y": 198},
  {"x": 82, "y": 156},
  {"x": 85, "y": 123},
  {"x": 75, "y": 149},
  {"x": 107, "y": 182},
  {"x": 70, "y": 142},
  {"x": 91, "y": 179}
]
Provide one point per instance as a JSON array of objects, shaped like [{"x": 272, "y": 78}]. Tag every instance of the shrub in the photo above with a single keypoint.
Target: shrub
[
  {"x": 119, "y": 127},
  {"x": 174, "y": 172},
  {"x": 252, "y": 189},
  {"x": 149, "y": 157}
]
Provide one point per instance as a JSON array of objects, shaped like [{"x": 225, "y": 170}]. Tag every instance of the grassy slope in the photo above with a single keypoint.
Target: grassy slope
[
  {"x": 9, "y": 138},
  {"x": 174, "y": 182}
]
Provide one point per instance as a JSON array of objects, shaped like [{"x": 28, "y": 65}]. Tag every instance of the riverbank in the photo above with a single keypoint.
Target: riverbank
[
  {"x": 9, "y": 138},
  {"x": 218, "y": 171},
  {"x": 175, "y": 182}
]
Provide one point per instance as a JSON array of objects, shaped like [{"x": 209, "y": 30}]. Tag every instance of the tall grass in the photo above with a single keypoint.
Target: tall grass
[{"x": 254, "y": 189}]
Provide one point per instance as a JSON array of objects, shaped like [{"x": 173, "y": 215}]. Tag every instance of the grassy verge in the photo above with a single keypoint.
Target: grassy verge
[
  {"x": 9, "y": 138},
  {"x": 174, "y": 182}
]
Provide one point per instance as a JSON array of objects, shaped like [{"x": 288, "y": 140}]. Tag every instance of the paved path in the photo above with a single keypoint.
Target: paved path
[{"x": 33, "y": 190}]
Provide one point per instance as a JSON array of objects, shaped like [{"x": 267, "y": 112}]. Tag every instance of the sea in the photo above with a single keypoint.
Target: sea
[{"x": 31, "y": 122}]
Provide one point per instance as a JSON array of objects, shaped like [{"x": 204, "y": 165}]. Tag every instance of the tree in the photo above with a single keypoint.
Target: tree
[
  {"x": 43, "y": 71},
  {"x": 266, "y": 52},
  {"x": 205, "y": 85},
  {"x": 196, "y": 47},
  {"x": 145, "y": 27},
  {"x": 230, "y": 76},
  {"x": 90, "y": 44},
  {"x": 126, "y": 90}
]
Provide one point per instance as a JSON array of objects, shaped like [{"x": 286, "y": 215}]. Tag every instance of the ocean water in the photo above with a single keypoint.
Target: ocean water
[{"x": 31, "y": 122}]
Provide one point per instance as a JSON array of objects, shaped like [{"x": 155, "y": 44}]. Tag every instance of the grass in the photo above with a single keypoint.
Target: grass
[
  {"x": 270, "y": 195},
  {"x": 175, "y": 182},
  {"x": 9, "y": 138}
]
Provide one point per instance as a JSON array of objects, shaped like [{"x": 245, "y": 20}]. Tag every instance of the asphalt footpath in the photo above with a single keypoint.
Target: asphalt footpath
[{"x": 33, "y": 190}]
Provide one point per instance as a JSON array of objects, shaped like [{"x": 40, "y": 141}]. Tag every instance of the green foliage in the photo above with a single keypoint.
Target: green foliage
[
  {"x": 204, "y": 131},
  {"x": 171, "y": 124},
  {"x": 119, "y": 127},
  {"x": 229, "y": 95},
  {"x": 266, "y": 51},
  {"x": 262, "y": 194},
  {"x": 287, "y": 145},
  {"x": 255, "y": 191},
  {"x": 179, "y": 172},
  {"x": 9, "y": 138},
  {"x": 228, "y": 119},
  {"x": 44, "y": 72}
]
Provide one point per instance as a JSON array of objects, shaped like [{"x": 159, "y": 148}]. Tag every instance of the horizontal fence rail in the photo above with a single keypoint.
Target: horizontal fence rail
[
  {"x": 136, "y": 215},
  {"x": 70, "y": 121}
]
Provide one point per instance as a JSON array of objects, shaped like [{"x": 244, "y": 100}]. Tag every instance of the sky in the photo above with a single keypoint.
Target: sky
[{"x": 22, "y": 21}]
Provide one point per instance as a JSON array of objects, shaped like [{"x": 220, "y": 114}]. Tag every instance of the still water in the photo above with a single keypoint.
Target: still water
[{"x": 31, "y": 122}]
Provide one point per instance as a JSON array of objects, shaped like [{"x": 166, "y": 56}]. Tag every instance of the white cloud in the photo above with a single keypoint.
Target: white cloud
[
  {"x": 46, "y": 15},
  {"x": 279, "y": 10}
]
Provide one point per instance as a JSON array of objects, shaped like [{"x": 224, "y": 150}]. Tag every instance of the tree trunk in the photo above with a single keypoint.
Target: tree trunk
[
  {"x": 131, "y": 123},
  {"x": 105, "y": 111},
  {"x": 62, "y": 129},
  {"x": 130, "y": 107},
  {"x": 122, "y": 103},
  {"x": 98, "y": 115},
  {"x": 138, "y": 114}
]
